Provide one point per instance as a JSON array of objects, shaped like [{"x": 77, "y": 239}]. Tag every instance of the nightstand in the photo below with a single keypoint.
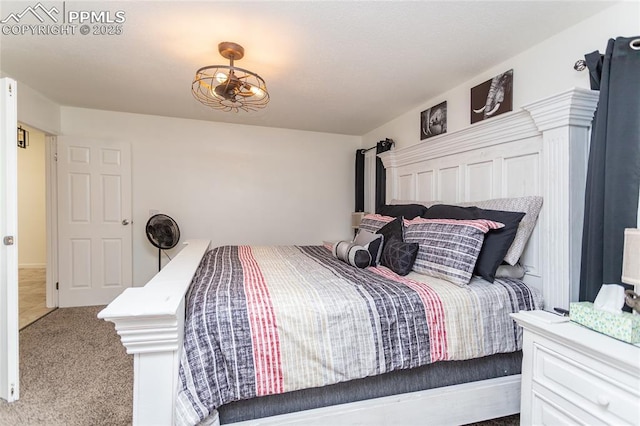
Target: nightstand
[{"x": 574, "y": 375}]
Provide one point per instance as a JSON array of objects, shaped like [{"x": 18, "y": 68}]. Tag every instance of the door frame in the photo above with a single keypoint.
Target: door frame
[
  {"x": 51, "y": 171},
  {"x": 51, "y": 219}
]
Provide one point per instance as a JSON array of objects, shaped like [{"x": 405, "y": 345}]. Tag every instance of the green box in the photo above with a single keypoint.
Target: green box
[{"x": 623, "y": 326}]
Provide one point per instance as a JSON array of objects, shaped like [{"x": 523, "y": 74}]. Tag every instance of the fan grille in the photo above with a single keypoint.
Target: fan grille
[{"x": 162, "y": 231}]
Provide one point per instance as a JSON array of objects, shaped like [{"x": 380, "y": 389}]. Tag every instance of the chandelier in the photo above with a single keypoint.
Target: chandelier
[{"x": 230, "y": 88}]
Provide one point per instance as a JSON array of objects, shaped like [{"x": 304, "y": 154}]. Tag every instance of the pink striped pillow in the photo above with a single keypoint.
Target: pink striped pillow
[
  {"x": 448, "y": 248},
  {"x": 373, "y": 222}
]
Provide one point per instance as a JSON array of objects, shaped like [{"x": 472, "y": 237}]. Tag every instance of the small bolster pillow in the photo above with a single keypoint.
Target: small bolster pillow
[{"x": 352, "y": 254}]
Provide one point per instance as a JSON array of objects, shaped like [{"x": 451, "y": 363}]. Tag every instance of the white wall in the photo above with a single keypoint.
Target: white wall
[
  {"x": 37, "y": 111},
  {"x": 32, "y": 242},
  {"x": 229, "y": 183},
  {"x": 541, "y": 71}
]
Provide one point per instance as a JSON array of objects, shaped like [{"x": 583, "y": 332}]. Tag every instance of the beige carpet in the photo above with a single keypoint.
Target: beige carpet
[{"x": 73, "y": 371}]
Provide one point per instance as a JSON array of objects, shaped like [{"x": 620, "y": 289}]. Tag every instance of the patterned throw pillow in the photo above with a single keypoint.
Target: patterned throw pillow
[
  {"x": 449, "y": 248},
  {"x": 399, "y": 256},
  {"x": 352, "y": 254},
  {"x": 373, "y": 222},
  {"x": 496, "y": 243}
]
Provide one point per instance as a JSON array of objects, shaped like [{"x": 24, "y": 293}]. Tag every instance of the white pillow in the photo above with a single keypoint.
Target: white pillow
[
  {"x": 516, "y": 271},
  {"x": 529, "y": 205}
]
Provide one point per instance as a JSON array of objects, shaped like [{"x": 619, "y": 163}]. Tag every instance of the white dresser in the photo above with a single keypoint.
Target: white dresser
[{"x": 574, "y": 375}]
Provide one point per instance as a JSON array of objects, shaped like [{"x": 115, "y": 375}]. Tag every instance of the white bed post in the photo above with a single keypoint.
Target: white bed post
[
  {"x": 156, "y": 355},
  {"x": 150, "y": 322},
  {"x": 565, "y": 122}
]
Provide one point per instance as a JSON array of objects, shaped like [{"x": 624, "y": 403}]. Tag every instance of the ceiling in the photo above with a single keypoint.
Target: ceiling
[{"x": 342, "y": 67}]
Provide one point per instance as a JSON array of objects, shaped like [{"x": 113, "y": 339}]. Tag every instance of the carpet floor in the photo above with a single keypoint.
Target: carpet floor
[{"x": 75, "y": 372}]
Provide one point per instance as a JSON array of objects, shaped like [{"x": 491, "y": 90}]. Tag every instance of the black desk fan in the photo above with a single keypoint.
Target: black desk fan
[{"x": 163, "y": 233}]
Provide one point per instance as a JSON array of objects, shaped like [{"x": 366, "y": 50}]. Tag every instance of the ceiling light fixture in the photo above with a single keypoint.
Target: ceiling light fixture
[{"x": 230, "y": 88}]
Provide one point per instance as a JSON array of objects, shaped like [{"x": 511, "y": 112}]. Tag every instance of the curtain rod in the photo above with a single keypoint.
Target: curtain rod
[
  {"x": 581, "y": 64},
  {"x": 387, "y": 140}
]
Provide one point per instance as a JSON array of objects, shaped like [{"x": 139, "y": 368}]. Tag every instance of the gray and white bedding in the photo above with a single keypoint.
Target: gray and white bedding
[{"x": 269, "y": 320}]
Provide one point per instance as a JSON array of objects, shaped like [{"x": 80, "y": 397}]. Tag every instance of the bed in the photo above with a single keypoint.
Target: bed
[{"x": 540, "y": 150}]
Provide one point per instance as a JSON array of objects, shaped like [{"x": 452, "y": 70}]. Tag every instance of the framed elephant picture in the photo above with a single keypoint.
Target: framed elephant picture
[
  {"x": 433, "y": 121},
  {"x": 493, "y": 97}
]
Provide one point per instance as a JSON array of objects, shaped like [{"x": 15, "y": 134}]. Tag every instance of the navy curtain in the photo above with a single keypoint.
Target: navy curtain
[
  {"x": 359, "y": 205},
  {"x": 613, "y": 176},
  {"x": 381, "y": 174}
]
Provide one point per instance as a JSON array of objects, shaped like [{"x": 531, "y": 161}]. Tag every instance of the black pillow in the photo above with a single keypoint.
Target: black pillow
[
  {"x": 410, "y": 211},
  {"x": 393, "y": 229},
  {"x": 399, "y": 256},
  {"x": 496, "y": 241}
]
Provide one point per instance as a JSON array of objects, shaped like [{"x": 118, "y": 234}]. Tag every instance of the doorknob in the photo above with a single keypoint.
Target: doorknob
[{"x": 125, "y": 222}]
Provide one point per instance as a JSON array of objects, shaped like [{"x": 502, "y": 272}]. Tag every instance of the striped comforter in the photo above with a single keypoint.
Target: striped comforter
[{"x": 266, "y": 320}]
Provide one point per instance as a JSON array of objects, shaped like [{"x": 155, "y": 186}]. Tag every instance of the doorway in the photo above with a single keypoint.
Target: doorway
[{"x": 32, "y": 226}]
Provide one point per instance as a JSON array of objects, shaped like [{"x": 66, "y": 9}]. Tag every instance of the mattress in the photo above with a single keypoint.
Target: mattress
[{"x": 270, "y": 320}]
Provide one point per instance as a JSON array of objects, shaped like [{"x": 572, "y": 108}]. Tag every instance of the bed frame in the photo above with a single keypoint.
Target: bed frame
[{"x": 541, "y": 149}]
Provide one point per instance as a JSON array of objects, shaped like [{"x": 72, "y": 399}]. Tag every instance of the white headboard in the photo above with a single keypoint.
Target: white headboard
[{"x": 540, "y": 150}]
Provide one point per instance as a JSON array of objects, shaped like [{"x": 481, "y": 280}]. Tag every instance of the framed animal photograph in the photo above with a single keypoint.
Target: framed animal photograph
[
  {"x": 433, "y": 121},
  {"x": 492, "y": 98}
]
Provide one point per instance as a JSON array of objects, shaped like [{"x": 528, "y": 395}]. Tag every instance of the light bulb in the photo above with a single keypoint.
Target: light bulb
[
  {"x": 258, "y": 92},
  {"x": 221, "y": 77}
]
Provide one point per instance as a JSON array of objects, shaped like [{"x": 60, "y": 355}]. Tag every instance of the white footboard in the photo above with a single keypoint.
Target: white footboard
[{"x": 150, "y": 322}]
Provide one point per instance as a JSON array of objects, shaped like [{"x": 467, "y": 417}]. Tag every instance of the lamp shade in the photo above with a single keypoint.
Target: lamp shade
[{"x": 631, "y": 257}]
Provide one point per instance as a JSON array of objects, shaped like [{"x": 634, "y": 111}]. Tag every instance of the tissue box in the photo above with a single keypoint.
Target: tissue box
[{"x": 623, "y": 326}]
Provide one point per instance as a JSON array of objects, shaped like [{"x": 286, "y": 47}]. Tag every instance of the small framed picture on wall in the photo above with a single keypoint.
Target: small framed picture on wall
[
  {"x": 493, "y": 97},
  {"x": 433, "y": 121}
]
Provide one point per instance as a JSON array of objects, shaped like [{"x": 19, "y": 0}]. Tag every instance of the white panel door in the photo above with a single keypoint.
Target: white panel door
[
  {"x": 9, "y": 385},
  {"x": 94, "y": 221}
]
